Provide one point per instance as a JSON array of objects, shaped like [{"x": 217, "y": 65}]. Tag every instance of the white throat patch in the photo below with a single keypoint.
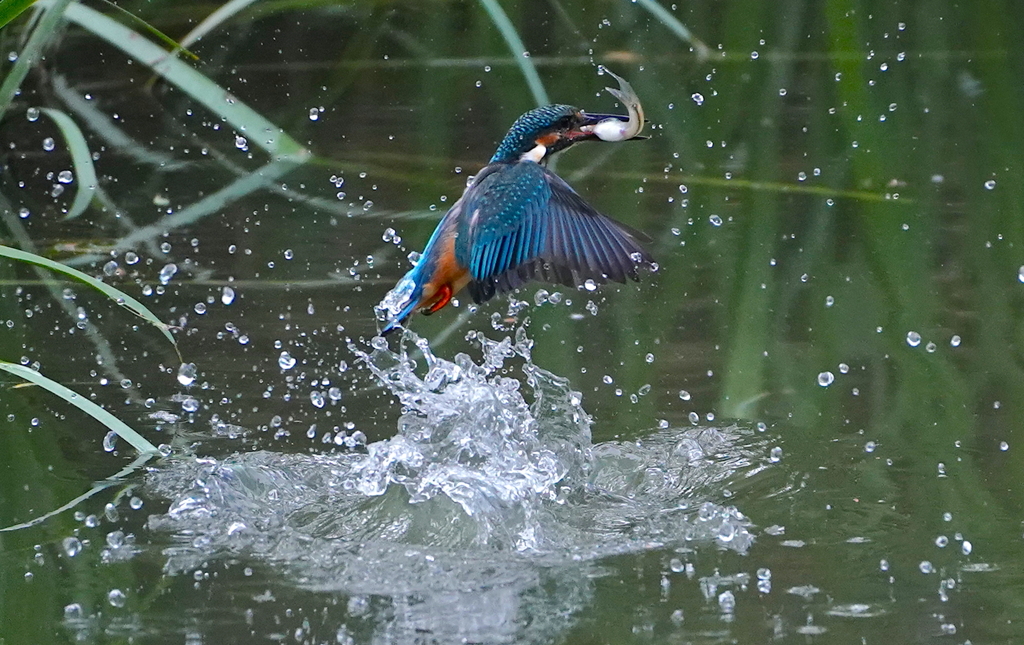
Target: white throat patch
[{"x": 535, "y": 155}]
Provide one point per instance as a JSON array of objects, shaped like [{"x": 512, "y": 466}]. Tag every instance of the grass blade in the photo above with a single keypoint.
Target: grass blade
[
  {"x": 515, "y": 43},
  {"x": 113, "y": 293},
  {"x": 32, "y": 51},
  {"x": 676, "y": 27},
  {"x": 210, "y": 204},
  {"x": 161, "y": 36},
  {"x": 81, "y": 157},
  {"x": 11, "y": 9},
  {"x": 113, "y": 480},
  {"x": 214, "y": 20},
  {"x": 85, "y": 405},
  {"x": 100, "y": 124},
  {"x": 257, "y": 129}
]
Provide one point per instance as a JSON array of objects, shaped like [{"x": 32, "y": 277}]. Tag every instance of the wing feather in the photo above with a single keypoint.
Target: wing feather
[{"x": 530, "y": 225}]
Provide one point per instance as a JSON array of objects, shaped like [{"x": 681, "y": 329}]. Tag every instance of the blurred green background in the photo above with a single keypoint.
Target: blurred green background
[{"x": 831, "y": 189}]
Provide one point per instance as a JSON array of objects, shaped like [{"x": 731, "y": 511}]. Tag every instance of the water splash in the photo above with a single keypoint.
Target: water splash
[
  {"x": 483, "y": 517},
  {"x": 473, "y": 465}
]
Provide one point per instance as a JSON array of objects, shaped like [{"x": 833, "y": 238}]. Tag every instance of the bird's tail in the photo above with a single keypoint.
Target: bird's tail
[{"x": 399, "y": 303}]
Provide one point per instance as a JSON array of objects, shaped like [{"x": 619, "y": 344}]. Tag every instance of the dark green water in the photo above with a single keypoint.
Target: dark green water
[{"x": 834, "y": 198}]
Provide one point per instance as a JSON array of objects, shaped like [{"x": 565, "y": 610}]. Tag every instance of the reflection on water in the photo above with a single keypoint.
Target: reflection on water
[{"x": 481, "y": 518}]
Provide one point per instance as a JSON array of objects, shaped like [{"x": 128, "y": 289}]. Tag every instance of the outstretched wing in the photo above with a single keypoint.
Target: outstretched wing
[{"x": 521, "y": 222}]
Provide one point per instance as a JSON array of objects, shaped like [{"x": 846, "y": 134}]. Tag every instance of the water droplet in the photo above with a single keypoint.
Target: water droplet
[
  {"x": 775, "y": 455},
  {"x": 698, "y": 98},
  {"x": 684, "y": 395},
  {"x": 65, "y": 177},
  {"x": 227, "y": 295},
  {"x": 241, "y": 143},
  {"x": 754, "y": 55},
  {"x": 726, "y": 599},
  {"x": 48, "y": 144},
  {"x": 190, "y": 404},
  {"x": 131, "y": 258},
  {"x": 116, "y": 598},
  {"x": 200, "y": 308},
  {"x": 829, "y": 301},
  {"x": 966, "y": 547},
  {"x": 1004, "y": 446},
  {"x": 187, "y": 374},
  {"x": 715, "y": 220},
  {"x": 135, "y": 503},
  {"x": 826, "y": 378},
  {"x": 314, "y": 114},
  {"x": 649, "y": 358},
  {"x": 110, "y": 441},
  {"x": 285, "y": 361},
  {"x": 913, "y": 338},
  {"x": 990, "y": 184},
  {"x": 168, "y": 272},
  {"x": 590, "y": 285},
  {"x": 72, "y": 546},
  {"x": 73, "y": 611},
  {"x": 110, "y": 268},
  {"x": 316, "y": 397}
]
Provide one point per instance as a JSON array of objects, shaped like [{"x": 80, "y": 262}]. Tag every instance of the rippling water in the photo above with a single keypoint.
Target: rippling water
[{"x": 490, "y": 493}]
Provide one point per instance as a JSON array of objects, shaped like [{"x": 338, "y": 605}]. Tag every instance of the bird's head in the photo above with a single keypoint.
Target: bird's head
[{"x": 543, "y": 131}]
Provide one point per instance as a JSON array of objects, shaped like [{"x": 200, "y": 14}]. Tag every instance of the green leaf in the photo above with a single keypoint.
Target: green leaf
[
  {"x": 114, "y": 294},
  {"x": 32, "y": 51},
  {"x": 11, "y": 9},
  {"x": 666, "y": 18},
  {"x": 152, "y": 30},
  {"x": 113, "y": 480},
  {"x": 215, "y": 19},
  {"x": 515, "y": 43},
  {"x": 81, "y": 158},
  {"x": 84, "y": 404},
  {"x": 255, "y": 127}
]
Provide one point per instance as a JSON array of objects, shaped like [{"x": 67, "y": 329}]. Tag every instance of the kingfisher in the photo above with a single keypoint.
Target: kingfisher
[{"x": 517, "y": 221}]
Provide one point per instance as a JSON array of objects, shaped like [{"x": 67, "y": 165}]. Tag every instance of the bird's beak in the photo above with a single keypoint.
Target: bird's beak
[{"x": 614, "y": 127}]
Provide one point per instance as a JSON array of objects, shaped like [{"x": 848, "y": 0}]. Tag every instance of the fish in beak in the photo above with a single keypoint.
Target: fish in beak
[{"x": 615, "y": 127}]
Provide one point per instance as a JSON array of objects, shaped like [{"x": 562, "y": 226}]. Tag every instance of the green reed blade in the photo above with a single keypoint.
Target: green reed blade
[
  {"x": 113, "y": 293},
  {"x": 258, "y": 130},
  {"x": 215, "y": 19},
  {"x": 81, "y": 158},
  {"x": 30, "y": 54},
  {"x": 85, "y": 405},
  {"x": 515, "y": 43},
  {"x": 11, "y": 9},
  {"x": 113, "y": 480},
  {"x": 159, "y": 35},
  {"x": 662, "y": 14}
]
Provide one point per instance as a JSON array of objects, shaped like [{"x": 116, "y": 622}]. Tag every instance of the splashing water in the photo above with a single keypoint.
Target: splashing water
[
  {"x": 476, "y": 476},
  {"x": 480, "y": 519}
]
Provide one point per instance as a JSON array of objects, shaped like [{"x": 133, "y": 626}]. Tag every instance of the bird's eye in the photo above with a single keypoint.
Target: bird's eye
[{"x": 564, "y": 123}]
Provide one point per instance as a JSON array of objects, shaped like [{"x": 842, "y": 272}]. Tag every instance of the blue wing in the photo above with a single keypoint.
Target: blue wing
[{"x": 521, "y": 222}]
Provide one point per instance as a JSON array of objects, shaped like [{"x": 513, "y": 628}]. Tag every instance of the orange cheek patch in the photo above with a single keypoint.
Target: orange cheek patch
[{"x": 547, "y": 140}]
